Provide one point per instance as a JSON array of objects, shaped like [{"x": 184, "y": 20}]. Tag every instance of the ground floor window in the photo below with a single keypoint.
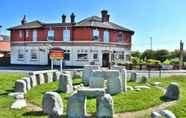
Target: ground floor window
[
  {"x": 82, "y": 56},
  {"x": 20, "y": 54},
  {"x": 95, "y": 56},
  {"x": 34, "y": 55},
  {"x": 67, "y": 55},
  {"x": 127, "y": 57}
]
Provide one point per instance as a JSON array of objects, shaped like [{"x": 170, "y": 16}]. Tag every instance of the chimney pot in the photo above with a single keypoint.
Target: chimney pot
[
  {"x": 23, "y": 21},
  {"x": 105, "y": 16},
  {"x": 63, "y": 18},
  {"x": 72, "y": 17}
]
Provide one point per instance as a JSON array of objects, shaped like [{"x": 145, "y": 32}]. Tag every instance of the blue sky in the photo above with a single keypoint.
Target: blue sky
[{"x": 163, "y": 20}]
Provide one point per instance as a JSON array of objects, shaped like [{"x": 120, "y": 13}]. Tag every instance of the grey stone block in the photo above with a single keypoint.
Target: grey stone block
[
  {"x": 20, "y": 86},
  {"x": 76, "y": 107},
  {"x": 155, "y": 115},
  {"x": 52, "y": 104},
  {"x": 91, "y": 92},
  {"x": 28, "y": 82},
  {"x": 173, "y": 91},
  {"x": 104, "y": 105},
  {"x": 65, "y": 83},
  {"x": 167, "y": 114},
  {"x": 33, "y": 80}
]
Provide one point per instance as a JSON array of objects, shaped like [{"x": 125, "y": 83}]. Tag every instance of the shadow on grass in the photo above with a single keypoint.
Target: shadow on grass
[
  {"x": 164, "y": 99},
  {"x": 34, "y": 113}
]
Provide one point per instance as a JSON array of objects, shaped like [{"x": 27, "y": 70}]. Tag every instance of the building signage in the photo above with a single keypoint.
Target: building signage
[{"x": 56, "y": 54}]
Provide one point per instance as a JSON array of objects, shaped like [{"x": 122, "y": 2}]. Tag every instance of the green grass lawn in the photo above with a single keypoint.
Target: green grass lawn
[{"x": 130, "y": 101}]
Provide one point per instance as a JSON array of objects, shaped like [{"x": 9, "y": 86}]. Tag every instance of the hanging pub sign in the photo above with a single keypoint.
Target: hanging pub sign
[{"x": 56, "y": 53}]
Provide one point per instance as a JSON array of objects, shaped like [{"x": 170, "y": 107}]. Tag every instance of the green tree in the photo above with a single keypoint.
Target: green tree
[
  {"x": 148, "y": 54},
  {"x": 161, "y": 55}
]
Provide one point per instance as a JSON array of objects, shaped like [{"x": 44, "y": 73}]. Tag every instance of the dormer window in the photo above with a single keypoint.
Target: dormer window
[
  {"x": 95, "y": 35},
  {"x": 51, "y": 35},
  {"x": 120, "y": 37}
]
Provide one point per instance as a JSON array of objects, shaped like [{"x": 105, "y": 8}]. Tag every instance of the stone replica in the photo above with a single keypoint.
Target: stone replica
[
  {"x": 141, "y": 79},
  {"x": 50, "y": 77},
  {"x": 41, "y": 78},
  {"x": 104, "y": 106},
  {"x": 133, "y": 77},
  {"x": 20, "y": 102},
  {"x": 33, "y": 80},
  {"x": 52, "y": 104},
  {"x": 123, "y": 74},
  {"x": 86, "y": 73},
  {"x": 28, "y": 83},
  {"x": 167, "y": 114},
  {"x": 65, "y": 83},
  {"x": 113, "y": 78},
  {"x": 76, "y": 107},
  {"x": 20, "y": 86},
  {"x": 172, "y": 92},
  {"x": 91, "y": 92},
  {"x": 56, "y": 75}
]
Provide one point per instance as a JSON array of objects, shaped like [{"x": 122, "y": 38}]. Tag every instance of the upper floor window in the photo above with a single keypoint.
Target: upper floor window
[
  {"x": 66, "y": 35},
  {"x": 106, "y": 36},
  {"x": 20, "y": 34},
  {"x": 27, "y": 33},
  {"x": 34, "y": 36},
  {"x": 95, "y": 35},
  {"x": 119, "y": 37},
  {"x": 51, "y": 35}
]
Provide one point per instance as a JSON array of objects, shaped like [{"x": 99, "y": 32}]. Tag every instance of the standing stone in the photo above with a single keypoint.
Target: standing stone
[
  {"x": 76, "y": 107},
  {"x": 172, "y": 92},
  {"x": 41, "y": 79},
  {"x": 91, "y": 92},
  {"x": 133, "y": 77},
  {"x": 50, "y": 77},
  {"x": 52, "y": 104},
  {"x": 141, "y": 79},
  {"x": 104, "y": 106},
  {"x": 33, "y": 80},
  {"x": 114, "y": 82},
  {"x": 87, "y": 72},
  {"x": 124, "y": 79},
  {"x": 20, "y": 86},
  {"x": 46, "y": 78},
  {"x": 65, "y": 83},
  {"x": 56, "y": 75},
  {"x": 28, "y": 83},
  {"x": 96, "y": 82}
]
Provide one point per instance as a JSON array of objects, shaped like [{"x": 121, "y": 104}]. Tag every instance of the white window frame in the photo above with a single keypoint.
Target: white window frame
[
  {"x": 95, "y": 34},
  {"x": 106, "y": 36},
  {"x": 34, "y": 35},
  {"x": 50, "y": 36},
  {"x": 121, "y": 38},
  {"x": 66, "y": 35},
  {"x": 67, "y": 52},
  {"x": 35, "y": 53},
  {"x": 20, "y": 54}
]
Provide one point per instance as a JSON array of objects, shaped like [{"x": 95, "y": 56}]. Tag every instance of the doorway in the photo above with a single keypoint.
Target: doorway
[{"x": 105, "y": 60}]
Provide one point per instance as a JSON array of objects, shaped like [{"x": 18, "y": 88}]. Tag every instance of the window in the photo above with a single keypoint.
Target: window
[
  {"x": 34, "y": 36},
  {"x": 20, "y": 54},
  {"x": 119, "y": 37},
  {"x": 51, "y": 35},
  {"x": 34, "y": 55},
  {"x": 82, "y": 56},
  {"x": 27, "y": 33},
  {"x": 127, "y": 57},
  {"x": 20, "y": 34},
  {"x": 67, "y": 55},
  {"x": 106, "y": 36},
  {"x": 95, "y": 35},
  {"x": 66, "y": 35},
  {"x": 95, "y": 56}
]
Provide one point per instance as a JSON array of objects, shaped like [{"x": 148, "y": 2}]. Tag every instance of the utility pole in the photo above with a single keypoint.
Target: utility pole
[
  {"x": 181, "y": 54},
  {"x": 151, "y": 43}
]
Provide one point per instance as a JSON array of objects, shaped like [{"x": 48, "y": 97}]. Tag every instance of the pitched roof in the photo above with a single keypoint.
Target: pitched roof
[
  {"x": 96, "y": 21},
  {"x": 29, "y": 25}
]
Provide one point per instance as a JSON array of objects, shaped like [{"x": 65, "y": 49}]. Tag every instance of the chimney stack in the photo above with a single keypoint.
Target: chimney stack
[
  {"x": 63, "y": 18},
  {"x": 72, "y": 17},
  {"x": 23, "y": 21},
  {"x": 105, "y": 16}
]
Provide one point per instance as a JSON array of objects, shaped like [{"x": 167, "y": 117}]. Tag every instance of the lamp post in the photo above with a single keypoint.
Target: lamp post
[{"x": 181, "y": 54}]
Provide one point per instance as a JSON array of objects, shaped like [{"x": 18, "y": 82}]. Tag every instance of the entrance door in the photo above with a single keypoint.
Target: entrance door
[{"x": 105, "y": 60}]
